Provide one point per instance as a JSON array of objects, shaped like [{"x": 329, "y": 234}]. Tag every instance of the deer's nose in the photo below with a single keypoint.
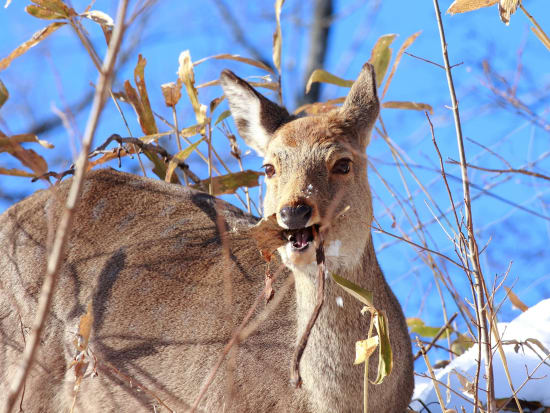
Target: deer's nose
[{"x": 295, "y": 217}]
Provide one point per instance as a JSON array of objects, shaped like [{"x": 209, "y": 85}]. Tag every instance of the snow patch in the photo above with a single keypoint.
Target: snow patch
[{"x": 521, "y": 359}]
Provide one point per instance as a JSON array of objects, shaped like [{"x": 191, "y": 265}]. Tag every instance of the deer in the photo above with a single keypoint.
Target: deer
[{"x": 146, "y": 259}]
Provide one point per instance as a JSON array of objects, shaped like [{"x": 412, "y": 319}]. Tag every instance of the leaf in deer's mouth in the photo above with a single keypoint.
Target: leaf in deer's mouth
[{"x": 268, "y": 235}]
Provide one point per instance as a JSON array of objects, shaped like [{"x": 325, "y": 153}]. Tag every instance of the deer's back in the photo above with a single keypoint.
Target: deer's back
[{"x": 148, "y": 257}]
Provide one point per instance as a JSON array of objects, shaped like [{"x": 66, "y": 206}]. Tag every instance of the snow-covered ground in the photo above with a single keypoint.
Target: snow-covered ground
[{"x": 522, "y": 362}]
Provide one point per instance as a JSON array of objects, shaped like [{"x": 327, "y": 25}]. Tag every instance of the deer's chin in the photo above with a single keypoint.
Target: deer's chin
[{"x": 302, "y": 256}]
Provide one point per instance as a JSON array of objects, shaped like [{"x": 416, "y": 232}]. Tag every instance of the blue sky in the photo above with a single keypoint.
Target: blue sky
[{"x": 511, "y": 211}]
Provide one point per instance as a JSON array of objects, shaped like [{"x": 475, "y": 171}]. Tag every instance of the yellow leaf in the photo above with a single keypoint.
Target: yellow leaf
[
  {"x": 320, "y": 75},
  {"x": 407, "y": 105},
  {"x": 187, "y": 76},
  {"x": 402, "y": 49},
  {"x": 237, "y": 58},
  {"x": 381, "y": 56},
  {"x": 4, "y": 94},
  {"x": 364, "y": 349},
  {"x": 34, "y": 40},
  {"x": 463, "y": 6},
  {"x": 516, "y": 302},
  {"x": 278, "y": 36}
]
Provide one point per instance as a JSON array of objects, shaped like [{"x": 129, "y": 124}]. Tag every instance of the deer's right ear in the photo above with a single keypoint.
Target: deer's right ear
[{"x": 257, "y": 118}]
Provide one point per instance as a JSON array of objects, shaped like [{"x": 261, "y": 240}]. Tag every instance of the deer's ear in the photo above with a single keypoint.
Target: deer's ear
[
  {"x": 361, "y": 107},
  {"x": 256, "y": 117}
]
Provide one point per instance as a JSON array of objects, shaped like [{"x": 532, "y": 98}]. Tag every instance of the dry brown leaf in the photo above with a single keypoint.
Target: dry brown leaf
[
  {"x": 268, "y": 235},
  {"x": 147, "y": 119},
  {"x": 516, "y": 302},
  {"x": 171, "y": 92},
  {"x": 277, "y": 36},
  {"x": 365, "y": 348},
  {"x": 16, "y": 172},
  {"x": 506, "y": 8},
  {"x": 402, "y": 49},
  {"x": 27, "y": 157},
  {"x": 25, "y": 137},
  {"x": 34, "y": 40},
  {"x": 464, "y": 6},
  {"x": 237, "y": 58}
]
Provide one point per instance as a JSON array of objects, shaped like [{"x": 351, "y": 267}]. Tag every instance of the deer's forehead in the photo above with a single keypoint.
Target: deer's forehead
[{"x": 313, "y": 136}]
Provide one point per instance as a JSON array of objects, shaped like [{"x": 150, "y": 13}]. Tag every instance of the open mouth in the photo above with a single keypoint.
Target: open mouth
[{"x": 300, "y": 239}]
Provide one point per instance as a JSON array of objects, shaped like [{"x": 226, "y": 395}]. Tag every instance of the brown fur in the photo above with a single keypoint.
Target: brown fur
[{"x": 148, "y": 256}]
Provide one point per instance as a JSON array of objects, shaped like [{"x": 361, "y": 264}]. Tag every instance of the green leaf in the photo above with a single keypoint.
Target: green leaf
[
  {"x": 180, "y": 156},
  {"x": 381, "y": 56},
  {"x": 358, "y": 292},
  {"x": 408, "y": 106},
  {"x": 320, "y": 75},
  {"x": 461, "y": 344},
  {"x": 228, "y": 184},
  {"x": 42, "y": 13},
  {"x": 385, "y": 356},
  {"x": 4, "y": 94},
  {"x": 224, "y": 115},
  {"x": 417, "y": 326},
  {"x": 56, "y": 6}
]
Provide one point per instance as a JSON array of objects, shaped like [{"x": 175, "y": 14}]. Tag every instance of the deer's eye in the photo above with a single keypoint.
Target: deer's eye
[
  {"x": 269, "y": 170},
  {"x": 342, "y": 166}
]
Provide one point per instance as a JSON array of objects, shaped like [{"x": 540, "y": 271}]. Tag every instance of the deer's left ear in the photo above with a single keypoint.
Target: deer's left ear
[
  {"x": 361, "y": 107},
  {"x": 257, "y": 118}
]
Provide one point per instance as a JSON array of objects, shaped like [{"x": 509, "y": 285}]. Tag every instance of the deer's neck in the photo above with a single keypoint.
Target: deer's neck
[{"x": 327, "y": 369}]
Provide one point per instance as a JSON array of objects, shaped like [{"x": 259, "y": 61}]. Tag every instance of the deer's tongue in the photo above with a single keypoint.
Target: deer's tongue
[{"x": 300, "y": 238}]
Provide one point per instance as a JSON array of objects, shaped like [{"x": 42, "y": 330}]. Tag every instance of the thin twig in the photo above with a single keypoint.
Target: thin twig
[
  {"x": 484, "y": 338},
  {"x": 63, "y": 230},
  {"x": 432, "y": 375},
  {"x": 503, "y": 171}
]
